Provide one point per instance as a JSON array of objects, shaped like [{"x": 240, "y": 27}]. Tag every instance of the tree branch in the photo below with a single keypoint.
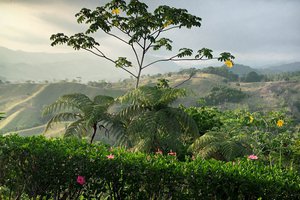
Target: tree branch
[
  {"x": 167, "y": 29},
  {"x": 109, "y": 59},
  {"x": 161, "y": 60},
  {"x": 136, "y": 55},
  {"x": 178, "y": 59},
  {"x": 191, "y": 76},
  {"x": 113, "y": 35},
  {"x": 126, "y": 33}
]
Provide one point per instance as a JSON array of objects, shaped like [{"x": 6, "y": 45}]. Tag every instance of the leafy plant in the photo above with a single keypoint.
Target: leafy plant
[
  {"x": 37, "y": 168},
  {"x": 83, "y": 113},
  {"x": 206, "y": 118},
  {"x": 150, "y": 123},
  {"x": 221, "y": 94},
  {"x": 221, "y": 144},
  {"x": 141, "y": 30}
]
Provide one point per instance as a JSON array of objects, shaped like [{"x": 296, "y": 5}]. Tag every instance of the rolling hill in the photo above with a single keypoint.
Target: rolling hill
[{"x": 23, "y": 103}]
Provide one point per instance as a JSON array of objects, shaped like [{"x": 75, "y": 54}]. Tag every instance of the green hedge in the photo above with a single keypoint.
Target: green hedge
[{"x": 35, "y": 167}]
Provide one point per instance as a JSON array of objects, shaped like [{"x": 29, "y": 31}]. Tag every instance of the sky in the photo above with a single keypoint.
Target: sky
[{"x": 257, "y": 32}]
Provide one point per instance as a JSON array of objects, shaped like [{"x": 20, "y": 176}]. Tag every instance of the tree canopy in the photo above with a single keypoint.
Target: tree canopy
[{"x": 133, "y": 24}]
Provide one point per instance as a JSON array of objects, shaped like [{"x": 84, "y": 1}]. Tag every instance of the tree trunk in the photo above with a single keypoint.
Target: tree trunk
[{"x": 94, "y": 132}]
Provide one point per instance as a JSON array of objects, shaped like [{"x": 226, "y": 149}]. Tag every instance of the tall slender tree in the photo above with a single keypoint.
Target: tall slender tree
[{"x": 140, "y": 29}]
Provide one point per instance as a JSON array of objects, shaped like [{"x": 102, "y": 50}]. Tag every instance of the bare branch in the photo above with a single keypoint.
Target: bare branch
[
  {"x": 161, "y": 60},
  {"x": 136, "y": 55},
  {"x": 190, "y": 59},
  {"x": 177, "y": 59},
  {"x": 126, "y": 33},
  {"x": 167, "y": 29},
  {"x": 113, "y": 35},
  {"x": 102, "y": 55},
  {"x": 190, "y": 77}
]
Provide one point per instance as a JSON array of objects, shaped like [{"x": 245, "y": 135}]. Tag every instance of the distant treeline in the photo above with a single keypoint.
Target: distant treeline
[{"x": 249, "y": 77}]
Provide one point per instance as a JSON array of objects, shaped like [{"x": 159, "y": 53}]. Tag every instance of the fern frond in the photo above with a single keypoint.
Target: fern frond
[
  {"x": 131, "y": 111},
  {"x": 60, "y": 117},
  {"x": 76, "y": 128},
  {"x": 69, "y": 101},
  {"x": 169, "y": 95},
  {"x": 103, "y": 100}
]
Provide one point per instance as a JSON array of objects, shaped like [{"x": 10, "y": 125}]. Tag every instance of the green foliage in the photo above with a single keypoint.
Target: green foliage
[
  {"x": 2, "y": 115},
  {"x": 82, "y": 113},
  {"x": 150, "y": 123},
  {"x": 221, "y": 144},
  {"x": 135, "y": 25},
  {"x": 162, "y": 83},
  {"x": 221, "y": 71},
  {"x": 36, "y": 168},
  {"x": 206, "y": 118},
  {"x": 232, "y": 134},
  {"x": 252, "y": 77},
  {"x": 222, "y": 94}
]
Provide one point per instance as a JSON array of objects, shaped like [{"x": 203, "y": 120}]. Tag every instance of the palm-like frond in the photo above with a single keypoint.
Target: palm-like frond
[
  {"x": 103, "y": 100},
  {"x": 169, "y": 95},
  {"x": 77, "y": 128},
  {"x": 61, "y": 117},
  {"x": 152, "y": 96},
  {"x": 220, "y": 145},
  {"x": 149, "y": 120},
  {"x": 84, "y": 113},
  {"x": 69, "y": 101}
]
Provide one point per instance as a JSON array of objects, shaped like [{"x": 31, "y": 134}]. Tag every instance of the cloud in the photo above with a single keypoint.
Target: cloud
[{"x": 249, "y": 28}]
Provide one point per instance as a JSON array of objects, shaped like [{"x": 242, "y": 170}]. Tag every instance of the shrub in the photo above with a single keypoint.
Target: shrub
[
  {"x": 206, "y": 118},
  {"x": 222, "y": 94},
  {"x": 34, "y": 167}
]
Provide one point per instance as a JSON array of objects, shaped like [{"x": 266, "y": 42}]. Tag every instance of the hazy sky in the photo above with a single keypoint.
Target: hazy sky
[{"x": 257, "y": 32}]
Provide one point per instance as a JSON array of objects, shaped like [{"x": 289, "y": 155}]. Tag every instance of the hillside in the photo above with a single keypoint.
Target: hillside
[
  {"x": 23, "y": 103},
  {"x": 290, "y": 67}
]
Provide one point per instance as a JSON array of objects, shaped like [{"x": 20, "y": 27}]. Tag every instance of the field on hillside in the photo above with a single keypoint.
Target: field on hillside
[{"x": 23, "y": 103}]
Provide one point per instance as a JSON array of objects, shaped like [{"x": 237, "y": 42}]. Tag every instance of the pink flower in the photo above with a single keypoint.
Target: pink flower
[
  {"x": 81, "y": 180},
  {"x": 171, "y": 153},
  {"x": 110, "y": 156},
  {"x": 252, "y": 157},
  {"x": 159, "y": 151}
]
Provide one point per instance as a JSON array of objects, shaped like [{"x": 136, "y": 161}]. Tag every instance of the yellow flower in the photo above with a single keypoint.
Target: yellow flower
[
  {"x": 229, "y": 63},
  {"x": 251, "y": 119},
  {"x": 115, "y": 11},
  {"x": 167, "y": 23},
  {"x": 280, "y": 123}
]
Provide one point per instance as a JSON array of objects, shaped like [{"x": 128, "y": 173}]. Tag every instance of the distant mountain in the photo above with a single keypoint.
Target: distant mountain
[
  {"x": 291, "y": 67},
  {"x": 23, "y": 66},
  {"x": 242, "y": 70}
]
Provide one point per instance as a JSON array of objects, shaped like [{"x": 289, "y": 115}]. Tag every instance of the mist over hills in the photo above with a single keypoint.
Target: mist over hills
[{"x": 23, "y": 66}]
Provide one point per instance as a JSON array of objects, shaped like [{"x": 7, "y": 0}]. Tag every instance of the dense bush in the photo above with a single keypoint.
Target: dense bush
[
  {"x": 222, "y": 94},
  {"x": 35, "y": 167},
  {"x": 221, "y": 71},
  {"x": 206, "y": 118}
]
